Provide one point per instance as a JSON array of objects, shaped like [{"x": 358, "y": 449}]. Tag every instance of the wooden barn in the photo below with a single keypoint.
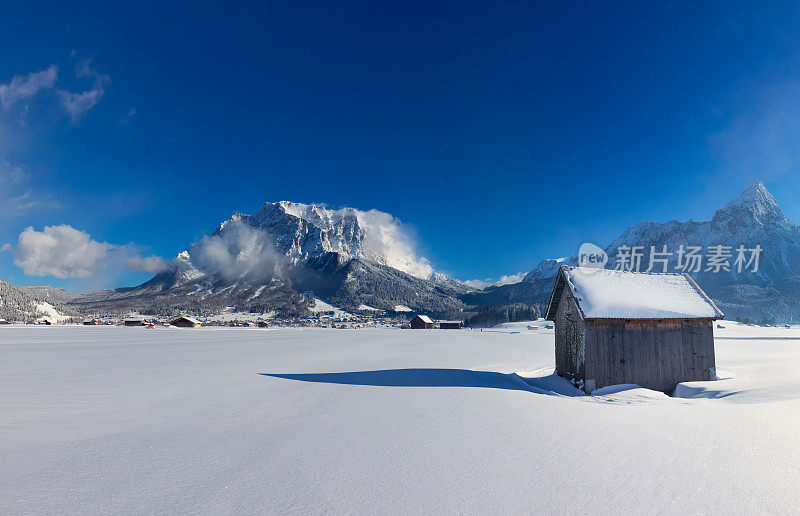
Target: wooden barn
[
  {"x": 185, "y": 322},
  {"x": 450, "y": 325},
  {"x": 421, "y": 322},
  {"x": 617, "y": 327}
]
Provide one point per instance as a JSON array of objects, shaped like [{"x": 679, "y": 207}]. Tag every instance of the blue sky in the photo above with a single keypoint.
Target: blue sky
[{"x": 502, "y": 133}]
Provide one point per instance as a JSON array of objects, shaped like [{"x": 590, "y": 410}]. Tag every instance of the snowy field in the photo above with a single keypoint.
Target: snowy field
[{"x": 381, "y": 421}]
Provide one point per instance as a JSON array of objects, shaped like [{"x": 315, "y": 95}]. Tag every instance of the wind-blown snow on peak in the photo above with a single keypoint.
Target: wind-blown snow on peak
[{"x": 300, "y": 232}]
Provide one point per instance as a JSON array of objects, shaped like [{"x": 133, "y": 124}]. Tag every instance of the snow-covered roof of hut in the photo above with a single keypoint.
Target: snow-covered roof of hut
[
  {"x": 425, "y": 319},
  {"x": 187, "y": 318},
  {"x": 611, "y": 294}
]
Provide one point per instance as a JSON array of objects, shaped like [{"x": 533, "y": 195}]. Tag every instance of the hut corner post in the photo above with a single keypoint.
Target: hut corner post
[{"x": 570, "y": 343}]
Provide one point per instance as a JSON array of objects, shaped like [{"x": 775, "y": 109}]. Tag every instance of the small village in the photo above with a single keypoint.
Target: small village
[{"x": 328, "y": 319}]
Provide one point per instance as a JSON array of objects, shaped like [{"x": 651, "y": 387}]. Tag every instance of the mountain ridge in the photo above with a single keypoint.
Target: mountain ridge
[
  {"x": 265, "y": 261},
  {"x": 753, "y": 218},
  {"x": 268, "y": 260}
]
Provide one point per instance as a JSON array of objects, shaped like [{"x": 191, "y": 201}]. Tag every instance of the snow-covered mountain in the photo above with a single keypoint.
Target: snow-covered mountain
[
  {"x": 19, "y": 304},
  {"x": 751, "y": 219},
  {"x": 269, "y": 260},
  {"x": 52, "y": 294},
  {"x": 265, "y": 261}
]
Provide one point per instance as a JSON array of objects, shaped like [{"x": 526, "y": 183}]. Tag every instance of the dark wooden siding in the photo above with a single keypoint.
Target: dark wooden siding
[
  {"x": 569, "y": 337},
  {"x": 654, "y": 354}
]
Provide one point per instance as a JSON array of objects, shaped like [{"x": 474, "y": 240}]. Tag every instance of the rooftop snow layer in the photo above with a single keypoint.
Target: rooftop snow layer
[{"x": 611, "y": 294}]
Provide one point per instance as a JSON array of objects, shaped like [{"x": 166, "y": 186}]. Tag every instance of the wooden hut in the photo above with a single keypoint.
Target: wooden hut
[
  {"x": 135, "y": 321},
  {"x": 421, "y": 322},
  {"x": 90, "y": 322},
  {"x": 450, "y": 325},
  {"x": 616, "y": 327},
  {"x": 185, "y": 322}
]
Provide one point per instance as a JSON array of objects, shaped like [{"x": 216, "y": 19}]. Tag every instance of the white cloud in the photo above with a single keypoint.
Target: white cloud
[
  {"x": 60, "y": 251},
  {"x": 502, "y": 280},
  {"x": 11, "y": 175},
  {"x": 65, "y": 252},
  {"x": 128, "y": 117},
  {"x": 145, "y": 263},
  {"x": 237, "y": 251},
  {"x": 78, "y": 104},
  {"x": 24, "y": 87},
  {"x": 16, "y": 194}
]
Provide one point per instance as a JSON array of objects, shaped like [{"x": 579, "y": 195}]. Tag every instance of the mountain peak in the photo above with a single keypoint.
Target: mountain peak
[
  {"x": 754, "y": 205},
  {"x": 755, "y": 194}
]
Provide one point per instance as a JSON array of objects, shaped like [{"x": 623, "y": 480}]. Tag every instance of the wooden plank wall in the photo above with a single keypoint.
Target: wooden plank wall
[
  {"x": 654, "y": 354},
  {"x": 570, "y": 331}
]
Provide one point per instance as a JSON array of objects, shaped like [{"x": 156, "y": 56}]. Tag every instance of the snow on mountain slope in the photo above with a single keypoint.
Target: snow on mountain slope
[
  {"x": 19, "y": 304},
  {"x": 50, "y": 313}
]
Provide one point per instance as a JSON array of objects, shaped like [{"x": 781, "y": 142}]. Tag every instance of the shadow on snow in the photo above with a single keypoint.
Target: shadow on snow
[{"x": 552, "y": 384}]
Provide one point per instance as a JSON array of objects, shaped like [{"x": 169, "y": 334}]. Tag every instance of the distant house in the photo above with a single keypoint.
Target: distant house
[
  {"x": 135, "y": 321},
  {"x": 615, "y": 327},
  {"x": 263, "y": 324},
  {"x": 3, "y": 321},
  {"x": 185, "y": 322},
  {"x": 450, "y": 325},
  {"x": 90, "y": 322},
  {"x": 48, "y": 322},
  {"x": 421, "y": 322}
]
